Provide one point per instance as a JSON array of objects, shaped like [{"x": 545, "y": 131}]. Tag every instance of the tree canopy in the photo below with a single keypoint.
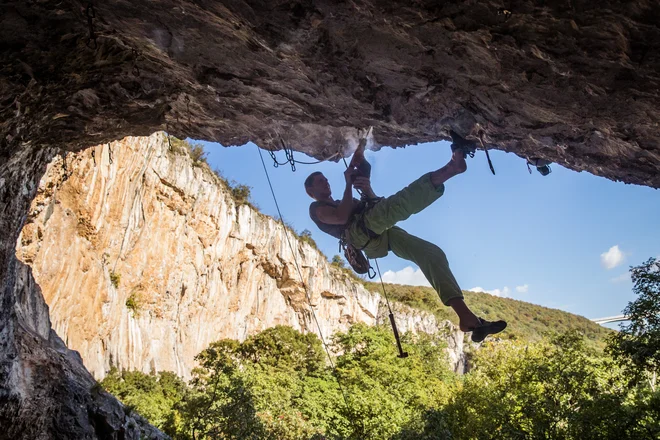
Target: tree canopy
[{"x": 279, "y": 385}]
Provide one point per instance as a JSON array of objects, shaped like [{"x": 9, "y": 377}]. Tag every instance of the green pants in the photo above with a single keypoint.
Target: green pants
[{"x": 382, "y": 219}]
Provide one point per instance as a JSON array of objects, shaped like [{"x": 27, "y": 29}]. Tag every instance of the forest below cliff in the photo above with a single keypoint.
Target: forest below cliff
[{"x": 279, "y": 385}]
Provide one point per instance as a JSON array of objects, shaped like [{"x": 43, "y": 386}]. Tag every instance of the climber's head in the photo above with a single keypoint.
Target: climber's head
[{"x": 317, "y": 186}]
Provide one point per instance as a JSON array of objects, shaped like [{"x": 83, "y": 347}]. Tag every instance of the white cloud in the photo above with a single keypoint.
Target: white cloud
[
  {"x": 407, "y": 275},
  {"x": 504, "y": 292},
  {"x": 612, "y": 258},
  {"x": 621, "y": 278},
  {"x": 522, "y": 289}
]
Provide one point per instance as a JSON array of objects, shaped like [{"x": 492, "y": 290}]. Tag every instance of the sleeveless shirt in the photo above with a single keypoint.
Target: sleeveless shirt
[{"x": 334, "y": 230}]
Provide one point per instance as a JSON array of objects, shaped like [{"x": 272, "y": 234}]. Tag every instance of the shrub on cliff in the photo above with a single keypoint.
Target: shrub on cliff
[
  {"x": 195, "y": 151},
  {"x": 338, "y": 261},
  {"x": 134, "y": 304},
  {"x": 115, "y": 279},
  {"x": 241, "y": 193}
]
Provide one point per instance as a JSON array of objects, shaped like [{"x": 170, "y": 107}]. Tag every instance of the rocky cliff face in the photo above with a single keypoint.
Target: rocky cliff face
[{"x": 145, "y": 259}]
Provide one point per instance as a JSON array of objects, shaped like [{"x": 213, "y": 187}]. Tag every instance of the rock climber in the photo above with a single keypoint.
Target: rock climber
[{"x": 374, "y": 230}]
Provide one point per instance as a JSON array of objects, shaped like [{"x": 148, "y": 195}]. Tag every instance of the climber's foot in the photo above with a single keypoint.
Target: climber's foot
[
  {"x": 486, "y": 328},
  {"x": 467, "y": 324},
  {"x": 459, "y": 143},
  {"x": 457, "y": 162}
]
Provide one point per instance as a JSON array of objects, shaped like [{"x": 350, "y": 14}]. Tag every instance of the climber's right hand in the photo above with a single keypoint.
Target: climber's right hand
[{"x": 348, "y": 175}]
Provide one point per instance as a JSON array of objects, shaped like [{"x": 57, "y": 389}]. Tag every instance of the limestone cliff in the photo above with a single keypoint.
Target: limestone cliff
[{"x": 145, "y": 259}]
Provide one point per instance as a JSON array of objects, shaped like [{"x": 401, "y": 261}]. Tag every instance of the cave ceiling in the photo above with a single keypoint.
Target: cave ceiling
[{"x": 574, "y": 82}]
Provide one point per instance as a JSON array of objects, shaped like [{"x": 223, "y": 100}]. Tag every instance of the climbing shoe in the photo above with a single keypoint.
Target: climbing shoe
[
  {"x": 544, "y": 170},
  {"x": 468, "y": 148},
  {"x": 486, "y": 328},
  {"x": 542, "y": 165}
]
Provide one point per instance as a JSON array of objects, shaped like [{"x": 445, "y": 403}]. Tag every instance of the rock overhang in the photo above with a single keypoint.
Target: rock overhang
[{"x": 574, "y": 83}]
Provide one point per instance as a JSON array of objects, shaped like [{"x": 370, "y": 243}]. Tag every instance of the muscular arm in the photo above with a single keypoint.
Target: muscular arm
[{"x": 340, "y": 214}]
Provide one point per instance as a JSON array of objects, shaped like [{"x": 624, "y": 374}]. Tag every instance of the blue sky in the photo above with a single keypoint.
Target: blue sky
[{"x": 564, "y": 241}]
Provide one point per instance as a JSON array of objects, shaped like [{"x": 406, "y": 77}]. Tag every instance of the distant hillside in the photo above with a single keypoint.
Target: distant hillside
[{"x": 526, "y": 321}]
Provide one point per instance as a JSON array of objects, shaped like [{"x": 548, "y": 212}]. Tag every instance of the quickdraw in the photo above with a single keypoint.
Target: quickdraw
[{"x": 90, "y": 12}]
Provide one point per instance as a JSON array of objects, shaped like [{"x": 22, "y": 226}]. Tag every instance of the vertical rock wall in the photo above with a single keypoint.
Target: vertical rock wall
[{"x": 45, "y": 391}]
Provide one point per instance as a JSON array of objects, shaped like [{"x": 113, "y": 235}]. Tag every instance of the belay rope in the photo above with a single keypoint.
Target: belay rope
[
  {"x": 289, "y": 156},
  {"x": 402, "y": 354},
  {"x": 490, "y": 163},
  {"x": 302, "y": 279}
]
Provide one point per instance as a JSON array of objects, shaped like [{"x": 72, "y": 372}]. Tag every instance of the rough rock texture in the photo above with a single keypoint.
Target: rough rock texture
[
  {"x": 48, "y": 393},
  {"x": 190, "y": 265},
  {"x": 574, "y": 82},
  {"x": 45, "y": 391}
]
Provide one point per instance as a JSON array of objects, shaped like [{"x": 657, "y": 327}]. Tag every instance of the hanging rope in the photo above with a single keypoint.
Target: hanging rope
[
  {"x": 490, "y": 163},
  {"x": 309, "y": 299}
]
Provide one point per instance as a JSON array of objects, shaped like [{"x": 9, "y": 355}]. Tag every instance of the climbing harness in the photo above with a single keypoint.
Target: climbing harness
[
  {"x": 302, "y": 279},
  {"x": 355, "y": 257}
]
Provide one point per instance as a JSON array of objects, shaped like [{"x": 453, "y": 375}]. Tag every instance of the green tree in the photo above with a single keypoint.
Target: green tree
[
  {"x": 249, "y": 390},
  {"x": 220, "y": 404},
  {"x": 554, "y": 389},
  {"x": 338, "y": 261},
  {"x": 153, "y": 396},
  {"x": 388, "y": 393},
  {"x": 277, "y": 385},
  {"x": 638, "y": 343}
]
